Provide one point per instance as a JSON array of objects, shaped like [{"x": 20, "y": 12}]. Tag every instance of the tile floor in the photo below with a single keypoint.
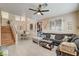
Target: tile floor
[{"x": 28, "y": 48}]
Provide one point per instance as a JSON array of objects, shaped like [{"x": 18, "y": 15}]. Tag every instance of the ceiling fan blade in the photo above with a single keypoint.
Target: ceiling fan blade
[
  {"x": 32, "y": 9},
  {"x": 36, "y": 13},
  {"x": 44, "y": 10},
  {"x": 41, "y": 13}
]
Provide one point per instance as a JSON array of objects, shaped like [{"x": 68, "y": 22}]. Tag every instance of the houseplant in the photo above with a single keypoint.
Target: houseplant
[{"x": 1, "y": 53}]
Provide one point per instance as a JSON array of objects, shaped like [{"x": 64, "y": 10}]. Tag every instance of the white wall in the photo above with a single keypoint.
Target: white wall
[
  {"x": 5, "y": 18},
  {"x": 20, "y": 23},
  {"x": 67, "y": 18},
  {"x": 0, "y": 28},
  {"x": 70, "y": 18},
  {"x": 78, "y": 24}
]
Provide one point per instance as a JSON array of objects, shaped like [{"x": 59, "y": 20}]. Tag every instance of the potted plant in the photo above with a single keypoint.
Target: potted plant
[{"x": 1, "y": 53}]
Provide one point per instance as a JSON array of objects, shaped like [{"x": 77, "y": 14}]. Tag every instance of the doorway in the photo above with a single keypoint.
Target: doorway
[{"x": 39, "y": 28}]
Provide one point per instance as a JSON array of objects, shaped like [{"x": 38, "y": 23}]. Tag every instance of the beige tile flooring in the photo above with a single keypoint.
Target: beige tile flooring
[{"x": 28, "y": 48}]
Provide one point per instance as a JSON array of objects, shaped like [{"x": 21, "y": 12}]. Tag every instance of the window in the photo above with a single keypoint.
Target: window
[
  {"x": 17, "y": 18},
  {"x": 56, "y": 25},
  {"x": 22, "y": 18},
  {"x": 5, "y": 14}
]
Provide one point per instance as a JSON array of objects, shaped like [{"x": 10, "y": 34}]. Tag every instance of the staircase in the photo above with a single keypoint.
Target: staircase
[{"x": 7, "y": 37}]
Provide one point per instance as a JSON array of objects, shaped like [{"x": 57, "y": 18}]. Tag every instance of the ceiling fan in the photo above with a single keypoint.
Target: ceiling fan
[{"x": 39, "y": 10}]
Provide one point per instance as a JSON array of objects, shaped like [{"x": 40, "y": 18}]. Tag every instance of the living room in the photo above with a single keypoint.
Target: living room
[{"x": 27, "y": 27}]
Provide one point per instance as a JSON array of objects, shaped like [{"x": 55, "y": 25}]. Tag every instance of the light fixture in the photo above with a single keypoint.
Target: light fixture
[{"x": 38, "y": 13}]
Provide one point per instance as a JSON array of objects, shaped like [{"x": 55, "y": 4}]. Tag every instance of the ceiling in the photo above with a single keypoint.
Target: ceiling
[{"x": 55, "y": 9}]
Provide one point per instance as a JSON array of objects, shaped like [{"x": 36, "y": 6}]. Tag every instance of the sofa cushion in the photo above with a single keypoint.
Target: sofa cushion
[{"x": 59, "y": 37}]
